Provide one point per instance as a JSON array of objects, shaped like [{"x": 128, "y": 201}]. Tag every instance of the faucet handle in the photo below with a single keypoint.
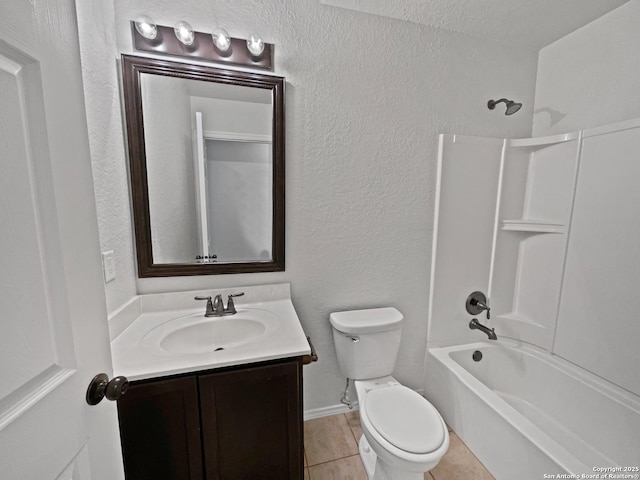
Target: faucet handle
[
  {"x": 476, "y": 303},
  {"x": 209, "y": 312},
  {"x": 484, "y": 307},
  {"x": 231, "y": 307}
]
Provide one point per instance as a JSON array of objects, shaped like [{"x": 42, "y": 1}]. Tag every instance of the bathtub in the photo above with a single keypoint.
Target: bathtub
[{"x": 526, "y": 413}]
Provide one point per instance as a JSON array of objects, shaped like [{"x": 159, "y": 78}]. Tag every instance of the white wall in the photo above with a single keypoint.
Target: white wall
[
  {"x": 366, "y": 98},
  {"x": 233, "y": 116},
  {"x": 590, "y": 77}
]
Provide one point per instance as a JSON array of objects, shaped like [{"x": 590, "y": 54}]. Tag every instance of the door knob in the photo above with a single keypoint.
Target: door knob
[{"x": 101, "y": 387}]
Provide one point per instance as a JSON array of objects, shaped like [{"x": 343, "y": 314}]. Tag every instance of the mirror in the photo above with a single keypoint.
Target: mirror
[{"x": 206, "y": 155}]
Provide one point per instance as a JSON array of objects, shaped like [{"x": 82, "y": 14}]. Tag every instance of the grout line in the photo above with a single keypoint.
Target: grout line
[
  {"x": 353, "y": 434},
  {"x": 338, "y": 458},
  {"x": 334, "y": 460},
  {"x": 350, "y": 427}
]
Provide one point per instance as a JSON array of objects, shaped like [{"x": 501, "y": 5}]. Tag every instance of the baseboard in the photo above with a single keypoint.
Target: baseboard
[
  {"x": 327, "y": 411},
  {"x": 335, "y": 409}
]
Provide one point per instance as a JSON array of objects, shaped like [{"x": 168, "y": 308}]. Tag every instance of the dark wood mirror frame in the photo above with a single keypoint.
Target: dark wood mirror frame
[{"x": 132, "y": 68}]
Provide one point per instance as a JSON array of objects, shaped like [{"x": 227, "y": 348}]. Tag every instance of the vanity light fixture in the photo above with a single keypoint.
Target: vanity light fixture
[
  {"x": 255, "y": 45},
  {"x": 181, "y": 40},
  {"x": 146, "y": 27},
  {"x": 184, "y": 32},
  {"x": 221, "y": 39}
]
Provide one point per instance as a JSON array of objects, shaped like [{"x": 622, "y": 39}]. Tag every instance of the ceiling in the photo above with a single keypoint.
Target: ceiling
[{"x": 530, "y": 23}]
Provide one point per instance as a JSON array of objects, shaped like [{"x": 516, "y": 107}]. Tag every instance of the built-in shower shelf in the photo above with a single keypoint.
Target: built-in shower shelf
[
  {"x": 539, "y": 142},
  {"x": 516, "y": 317},
  {"x": 533, "y": 226}
]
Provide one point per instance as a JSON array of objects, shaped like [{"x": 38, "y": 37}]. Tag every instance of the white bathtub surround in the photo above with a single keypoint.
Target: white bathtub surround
[
  {"x": 598, "y": 326},
  {"x": 525, "y": 412},
  {"x": 503, "y": 211},
  {"x": 555, "y": 246},
  {"x": 544, "y": 227},
  {"x": 149, "y": 346}
]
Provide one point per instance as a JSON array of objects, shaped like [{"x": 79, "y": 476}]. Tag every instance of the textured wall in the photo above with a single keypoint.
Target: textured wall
[
  {"x": 366, "y": 98},
  {"x": 590, "y": 77},
  {"x": 101, "y": 77}
]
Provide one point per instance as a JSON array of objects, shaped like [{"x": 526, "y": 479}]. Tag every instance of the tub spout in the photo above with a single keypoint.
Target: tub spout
[{"x": 475, "y": 324}]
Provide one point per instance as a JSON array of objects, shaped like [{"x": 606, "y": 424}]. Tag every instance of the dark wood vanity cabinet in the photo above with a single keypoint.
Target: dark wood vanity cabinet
[
  {"x": 233, "y": 423},
  {"x": 160, "y": 430}
]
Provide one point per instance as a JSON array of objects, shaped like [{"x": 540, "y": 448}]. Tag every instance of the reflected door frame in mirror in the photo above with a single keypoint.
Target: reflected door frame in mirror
[{"x": 132, "y": 69}]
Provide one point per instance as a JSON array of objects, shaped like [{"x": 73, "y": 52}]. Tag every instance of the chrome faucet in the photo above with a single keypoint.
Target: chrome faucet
[
  {"x": 490, "y": 332},
  {"x": 215, "y": 307}
]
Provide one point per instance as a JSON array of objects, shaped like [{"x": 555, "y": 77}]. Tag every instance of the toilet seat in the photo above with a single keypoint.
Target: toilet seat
[{"x": 404, "y": 419}]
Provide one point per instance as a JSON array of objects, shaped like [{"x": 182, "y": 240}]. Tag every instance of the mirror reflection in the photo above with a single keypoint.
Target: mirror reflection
[
  {"x": 206, "y": 151},
  {"x": 209, "y": 170}
]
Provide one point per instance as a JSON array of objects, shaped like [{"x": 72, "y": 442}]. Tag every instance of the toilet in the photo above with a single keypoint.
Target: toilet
[{"x": 403, "y": 434}]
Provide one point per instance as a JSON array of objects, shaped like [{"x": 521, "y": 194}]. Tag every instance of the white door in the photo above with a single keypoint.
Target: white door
[
  {"x": 200, "y": 169},
  {"x": 53, "y": 327}
]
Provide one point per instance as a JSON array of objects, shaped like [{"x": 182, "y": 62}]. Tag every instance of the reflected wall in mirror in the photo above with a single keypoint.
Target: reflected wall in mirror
[{"x": 206, "y": 152}]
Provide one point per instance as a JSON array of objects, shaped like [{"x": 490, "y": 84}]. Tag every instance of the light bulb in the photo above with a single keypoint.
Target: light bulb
[
  {"x": 184, "y": 32},
  {"x": 221, "y": 39},
  {"x": 255, "y": 45},
  {"x": 146, "y": 27}
]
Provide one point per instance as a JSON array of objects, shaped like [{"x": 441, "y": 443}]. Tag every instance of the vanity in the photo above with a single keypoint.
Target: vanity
[
  {"x": 212, "y": 397},
  {"x": 209, "y": 396}
]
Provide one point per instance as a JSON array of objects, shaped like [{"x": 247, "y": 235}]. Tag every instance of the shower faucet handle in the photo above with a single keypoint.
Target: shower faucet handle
[{"x": 477, "y": 303}]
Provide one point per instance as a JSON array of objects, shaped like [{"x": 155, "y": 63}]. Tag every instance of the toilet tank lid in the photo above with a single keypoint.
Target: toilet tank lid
[{"x": 366, "y": 321}]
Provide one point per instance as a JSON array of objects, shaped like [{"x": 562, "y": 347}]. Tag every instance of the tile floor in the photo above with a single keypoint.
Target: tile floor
[{"x": 331, "y": 452}]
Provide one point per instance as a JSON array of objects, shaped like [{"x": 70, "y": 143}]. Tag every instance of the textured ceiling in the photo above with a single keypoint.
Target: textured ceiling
[{"x": 531, "y": 23}]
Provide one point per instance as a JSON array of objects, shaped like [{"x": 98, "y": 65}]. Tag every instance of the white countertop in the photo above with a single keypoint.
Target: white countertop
[{"x": 137, "y": 362}]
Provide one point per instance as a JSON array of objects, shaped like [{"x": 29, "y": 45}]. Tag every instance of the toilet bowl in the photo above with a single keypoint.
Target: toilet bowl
[{"x": 403, "y": 434}]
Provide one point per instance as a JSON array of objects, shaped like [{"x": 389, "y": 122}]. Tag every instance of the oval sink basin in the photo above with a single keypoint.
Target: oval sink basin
[{"x": 195, "y": 333}]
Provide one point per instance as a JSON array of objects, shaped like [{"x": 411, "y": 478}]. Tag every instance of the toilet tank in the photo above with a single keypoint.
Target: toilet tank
[{"x": 367, "y": 341}]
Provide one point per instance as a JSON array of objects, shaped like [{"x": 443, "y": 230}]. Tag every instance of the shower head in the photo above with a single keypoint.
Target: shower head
[{"x": 512, "y": 107}]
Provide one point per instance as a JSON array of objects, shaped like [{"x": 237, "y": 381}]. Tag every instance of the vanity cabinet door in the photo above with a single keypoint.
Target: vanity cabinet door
[
  {"x": 160, "y": 430},
  {"x": 252, "y": 422}
]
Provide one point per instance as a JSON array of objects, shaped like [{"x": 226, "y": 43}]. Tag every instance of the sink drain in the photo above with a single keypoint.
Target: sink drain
[{"x": 477, "y": 356}]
